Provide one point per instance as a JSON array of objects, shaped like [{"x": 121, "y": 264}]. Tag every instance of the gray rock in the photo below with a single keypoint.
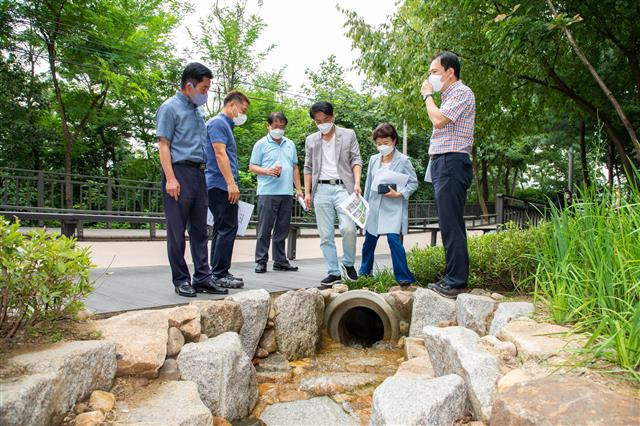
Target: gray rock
[
  {"x": 27, "y": 400},
  {"x": 219, "y": 316},
  {"x": 181, "y": 315},
  {"x": 401, "y": 302},
  {"x": 429, "y": 308},
  {"x": 141, "y": 341},
  {"x": 255, "y": 305},
  {"x": 224, "y": 374},
  {"x": 506, "y": 312},
  {"x": 414, "y": 347},
  {"x": 175, "y": 403},
  {"x": 58, "y": 377},
  {"x": 169, "y": 370},
  {"x": 414, "y": 400},
  {"x": 334, "y": 383},
  {"x": 540, "y": 341},
  {"x": 472, "y": 312},
  {"x": 420, "y": 366},
  {"x": 175, "y": 341},
  {"x": 506, "y": 351},
  {"x": 298, "y": 324},
  {"x": 320, "y": 410},
  {"x": 563, "y": 400},
  {"x": 455, "y": 350}
]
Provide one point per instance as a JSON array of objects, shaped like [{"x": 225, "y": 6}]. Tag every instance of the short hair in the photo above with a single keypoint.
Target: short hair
[
  {"x": 385, "y": 130},
  {"x": 235, "y": 96},
  {"x": 277, "y": 116},
  {"x": 449, "y": 60},
  {"x": 322, "y": 106},
  {"x": 194, "y": 73}
]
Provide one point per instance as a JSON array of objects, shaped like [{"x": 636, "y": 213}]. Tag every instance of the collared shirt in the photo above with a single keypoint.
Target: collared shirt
[
  {"x": 329, "y": 168},
  {"x": 459, "y": 106},
  {"x": 180, "y": 122},
  {"x": 220, "y": 130},
  {"x": 267, "y": 153}
]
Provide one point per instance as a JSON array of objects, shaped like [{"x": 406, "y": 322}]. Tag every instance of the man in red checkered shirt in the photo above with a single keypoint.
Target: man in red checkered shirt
[{"x": 449, "y": 167}]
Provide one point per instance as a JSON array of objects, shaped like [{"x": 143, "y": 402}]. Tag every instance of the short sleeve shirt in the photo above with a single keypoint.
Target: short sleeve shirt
[
  {"x": 180, "y": 122},
  {"x": 459, "y": 106},
  {"x": 267, "y": 153},
  {"x": 220, "y": 130}
]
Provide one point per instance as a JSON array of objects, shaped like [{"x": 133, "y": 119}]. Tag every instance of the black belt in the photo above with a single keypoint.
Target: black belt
[
  {"x": 332, "y": 181},
  {"x": 434, "y": 156},
  {"x": 190, "y": 163}
]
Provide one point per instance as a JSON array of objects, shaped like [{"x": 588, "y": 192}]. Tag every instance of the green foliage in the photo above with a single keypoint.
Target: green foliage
[
  {"x": 43, "y": 277},
  {"x": 380, "y": 282},
  {"x": 501, "y": 261},
  {"x": 588, "y": 272}
]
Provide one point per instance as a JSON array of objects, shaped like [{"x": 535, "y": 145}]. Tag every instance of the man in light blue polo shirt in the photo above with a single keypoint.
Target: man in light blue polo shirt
[{"x": 275, "y": 160}]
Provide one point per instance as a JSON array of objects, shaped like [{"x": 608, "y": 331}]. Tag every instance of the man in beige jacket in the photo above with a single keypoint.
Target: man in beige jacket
[{"x": 332, "y": 170}]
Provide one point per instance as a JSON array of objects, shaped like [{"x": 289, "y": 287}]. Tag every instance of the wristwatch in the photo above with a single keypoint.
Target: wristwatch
[{"x": 424, "y": 98}]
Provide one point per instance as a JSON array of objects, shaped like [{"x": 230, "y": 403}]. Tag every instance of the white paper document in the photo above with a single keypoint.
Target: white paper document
[
  {"x": 244, "y": 216},
  {"x": 356, "y": 208},
  {"x": 427, "y": 175},
  {"x": 387, "y": 177}
]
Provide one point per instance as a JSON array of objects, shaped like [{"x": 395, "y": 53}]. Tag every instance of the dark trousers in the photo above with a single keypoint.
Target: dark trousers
[
  {"x": 451, "y": 175},
  {"x": 188, "y": 212},
  {"x": 274, "y": 215},
  {"x": 398, "y": 257},
  {"x": 225, "y": 227}
]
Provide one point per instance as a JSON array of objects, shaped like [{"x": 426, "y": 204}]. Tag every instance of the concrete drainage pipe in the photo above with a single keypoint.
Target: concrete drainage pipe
[{"x": 360, "y": 318}]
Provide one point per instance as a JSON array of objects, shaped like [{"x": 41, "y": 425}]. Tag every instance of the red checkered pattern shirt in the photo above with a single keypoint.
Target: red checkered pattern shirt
[{"x": 459, "y": 106}]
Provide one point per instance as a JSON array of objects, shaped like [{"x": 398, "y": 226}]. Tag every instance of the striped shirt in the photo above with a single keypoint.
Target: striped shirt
[{"x": 459, "y": 106}]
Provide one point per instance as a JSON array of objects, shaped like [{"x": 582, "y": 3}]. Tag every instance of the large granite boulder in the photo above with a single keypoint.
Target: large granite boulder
[
  {"x": 473, "y": 311},
  {"x": 224, "y": 374},
  {"x": 429, "y": 308},
  {"x": 298, "y": 322},
  {"x": 563, "y": 400},
  {"x": 419, "y": 400},
  {"x": 219, "y": 316},
  {"x": 56, "y": 378},
  {"x": 455, "y": 350},
  {"x": 141, "y": 341},
  {"x": 174, "y": 403},
  {"x": 255, "y": 305},
  {"x": 540, "y": 341},
  {"x": 508, "y": 311}
]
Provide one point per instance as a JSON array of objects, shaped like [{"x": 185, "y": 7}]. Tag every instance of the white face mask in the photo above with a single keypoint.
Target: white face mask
[
  {"x": 325, "y": 127},
  {"x": 436, "y": 82},
  {"x": 385, "y": 149},
  {"x": 276, "y": 133},
  {"x": 240, "y": 119}
]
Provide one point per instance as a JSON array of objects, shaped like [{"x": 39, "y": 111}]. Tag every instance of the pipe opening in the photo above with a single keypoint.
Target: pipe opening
[{"x": 360, "y": 327}]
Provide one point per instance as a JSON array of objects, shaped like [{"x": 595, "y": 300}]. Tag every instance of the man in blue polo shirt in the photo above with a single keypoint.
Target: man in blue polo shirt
[
  {"x": 222, "y": 184},
  {"x": 275, "y": 160},
  {"x": 182, "y": 138}
]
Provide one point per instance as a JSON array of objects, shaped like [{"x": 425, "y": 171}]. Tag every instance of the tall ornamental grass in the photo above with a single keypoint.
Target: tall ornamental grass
[{"x": 588, "y": 272}]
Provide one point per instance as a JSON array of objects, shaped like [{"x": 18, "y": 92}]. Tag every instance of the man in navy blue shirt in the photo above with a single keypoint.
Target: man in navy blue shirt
[
  {"x": 222, "y": 185},
  {"x": 182, "y": 138}
]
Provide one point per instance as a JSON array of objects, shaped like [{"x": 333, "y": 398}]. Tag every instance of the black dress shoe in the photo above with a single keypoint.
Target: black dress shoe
[
  {"x": 284, "y": 267},
  {"x": 210, "y": 287},
  {"x": 234, "y": 278},
  {"x": 261, "y": 268},
  {"x": 228, "y": 282},
  {"x": 185, "y": 289},
  {"x": 446, "y": 290}
]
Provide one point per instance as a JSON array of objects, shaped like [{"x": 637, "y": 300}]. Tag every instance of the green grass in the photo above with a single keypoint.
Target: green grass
[{"x": 588, "y": 273}]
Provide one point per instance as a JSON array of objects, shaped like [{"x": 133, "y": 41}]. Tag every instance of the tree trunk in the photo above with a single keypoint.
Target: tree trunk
[
  {"x": 623, "y": 116},
  {"x": 583, "y": 155},
  {"x": 485, "y": 179},
  {"x": 610, "y": 161}
]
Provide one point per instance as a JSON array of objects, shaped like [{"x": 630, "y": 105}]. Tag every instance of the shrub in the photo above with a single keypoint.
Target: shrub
[
  {"x": 380, "y": 282},
  {"x": 43, "y": 277},
  {"x": 502, "y": 261}
]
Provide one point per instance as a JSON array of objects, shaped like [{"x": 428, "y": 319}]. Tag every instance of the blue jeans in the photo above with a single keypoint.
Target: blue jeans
[
  {"x": 325, "y": 201},
  {"x": 398, "y": 257}
]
